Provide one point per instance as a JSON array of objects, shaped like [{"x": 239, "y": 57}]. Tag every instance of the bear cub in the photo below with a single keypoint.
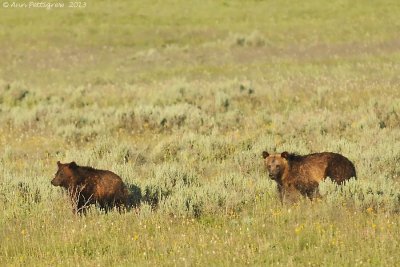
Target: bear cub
[{"x": 86, "y": 185}]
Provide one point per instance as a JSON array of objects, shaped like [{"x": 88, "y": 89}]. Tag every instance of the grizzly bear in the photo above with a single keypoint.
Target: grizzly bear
[
  {"x": 298, "y": 175},
  {"x": 86, "y": 185}
]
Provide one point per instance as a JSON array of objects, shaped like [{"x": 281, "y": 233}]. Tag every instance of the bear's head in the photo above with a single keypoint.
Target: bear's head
[
  {"x": 275, "y": 164},
  {"x": 64, "y": 175}
]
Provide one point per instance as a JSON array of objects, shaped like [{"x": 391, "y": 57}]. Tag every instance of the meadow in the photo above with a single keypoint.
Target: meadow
[{"x": 180, "y": 98}]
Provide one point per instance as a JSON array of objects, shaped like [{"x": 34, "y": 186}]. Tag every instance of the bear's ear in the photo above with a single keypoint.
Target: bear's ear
[
  {"x": 58, "y": 164},
  {"x": 265, "y": 154},
  {"x": 73, "y": 165},
  {"x": 285, "y": 155}
]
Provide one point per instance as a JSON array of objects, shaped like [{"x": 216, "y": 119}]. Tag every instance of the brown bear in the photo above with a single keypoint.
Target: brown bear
[
  {"x": 300, "y": 175},
  {"x": 87, "y": 185}
]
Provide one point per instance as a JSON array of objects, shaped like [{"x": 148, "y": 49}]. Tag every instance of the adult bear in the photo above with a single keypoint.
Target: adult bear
[{"x": 295, "y": 174}]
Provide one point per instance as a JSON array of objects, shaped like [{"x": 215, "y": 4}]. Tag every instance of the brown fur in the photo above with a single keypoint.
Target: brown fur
[
  {"x": 300, "y": 175},
  {"x": 87, "y": 186}
]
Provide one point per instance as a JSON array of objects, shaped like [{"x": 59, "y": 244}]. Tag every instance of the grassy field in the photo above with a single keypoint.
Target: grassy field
[{"x": 180, "y": 98}]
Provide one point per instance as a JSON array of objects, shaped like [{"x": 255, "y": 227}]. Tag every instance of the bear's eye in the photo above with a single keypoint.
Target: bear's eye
[{"x": 269, "y": 166}]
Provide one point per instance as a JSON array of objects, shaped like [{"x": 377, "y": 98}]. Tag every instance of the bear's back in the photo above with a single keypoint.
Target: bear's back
[
  {"x": 317, "y": 166},
  {"x": 102, "y": 184}
]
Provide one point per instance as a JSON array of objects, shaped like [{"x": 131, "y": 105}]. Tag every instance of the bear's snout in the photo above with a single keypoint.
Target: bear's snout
[
  {"x": 55, "y": 182},
  {"x": 273, "y": 175}
]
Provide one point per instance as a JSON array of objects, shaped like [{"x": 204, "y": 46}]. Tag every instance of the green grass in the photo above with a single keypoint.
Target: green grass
[{"x": 180, "y": 98}]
